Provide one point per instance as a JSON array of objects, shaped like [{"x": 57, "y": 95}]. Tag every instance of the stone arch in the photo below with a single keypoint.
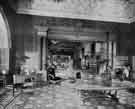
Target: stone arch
[{"x": 5, "y": 41}]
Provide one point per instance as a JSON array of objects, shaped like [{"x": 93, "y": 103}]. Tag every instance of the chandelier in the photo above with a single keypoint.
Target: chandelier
[{"x": 58, "y": 1}]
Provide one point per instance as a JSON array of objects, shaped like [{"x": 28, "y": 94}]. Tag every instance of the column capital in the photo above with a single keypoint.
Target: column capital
[{"x": 41, "y": 30}]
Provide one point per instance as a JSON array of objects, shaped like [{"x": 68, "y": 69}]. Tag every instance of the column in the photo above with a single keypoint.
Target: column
[
  {"x": 44, "y": 53},
  {"x": 112, "y": 54},
  {"x": 133, "y": 63},
  {"x": 107, "y": 48},
  {"x": 42, "y": 33}
]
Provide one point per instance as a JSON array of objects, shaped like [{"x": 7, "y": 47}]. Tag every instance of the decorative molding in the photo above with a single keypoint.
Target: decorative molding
[
  {"x": 91, "y": 36},
  {"x": 41, "y": 31},
  {"x": 72, "y": 16},
  {"x": 41, "y": 28},
  {"x": 120, "y": 11}
]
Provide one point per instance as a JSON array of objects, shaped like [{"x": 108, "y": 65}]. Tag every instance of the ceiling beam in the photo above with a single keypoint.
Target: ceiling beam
[
  {"x": 119, "y": 11},
  {"x": 73, "y": 16}
]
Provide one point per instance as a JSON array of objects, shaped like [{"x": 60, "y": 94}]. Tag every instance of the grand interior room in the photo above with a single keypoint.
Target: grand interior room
[{"x": 75, "y": 54}]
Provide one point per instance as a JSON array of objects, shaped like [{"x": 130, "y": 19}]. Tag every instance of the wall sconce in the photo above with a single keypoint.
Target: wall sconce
[{"x": 4, "y": 72}]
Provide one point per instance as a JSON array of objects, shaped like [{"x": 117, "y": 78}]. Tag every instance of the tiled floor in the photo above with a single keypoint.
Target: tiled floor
[
  {"x": 66, "y": 96},
  {"x": 7, "y": 97}
]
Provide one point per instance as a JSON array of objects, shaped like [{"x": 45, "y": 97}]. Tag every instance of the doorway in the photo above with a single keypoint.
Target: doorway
[
  {"x": 90, "y": 57},
  {"x": 65, "y": 55}
]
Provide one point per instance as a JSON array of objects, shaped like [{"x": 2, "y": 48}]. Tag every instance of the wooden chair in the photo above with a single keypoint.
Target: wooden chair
[{"x": 29, "y": 84}]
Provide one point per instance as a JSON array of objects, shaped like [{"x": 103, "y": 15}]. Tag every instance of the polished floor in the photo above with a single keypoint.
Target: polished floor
[{"x": 66, "y": 96}]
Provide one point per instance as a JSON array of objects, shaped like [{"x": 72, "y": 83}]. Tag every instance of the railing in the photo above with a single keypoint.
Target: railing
[
  {"x": 2, "y": 81},
  {"x": 27, "y": 81}
]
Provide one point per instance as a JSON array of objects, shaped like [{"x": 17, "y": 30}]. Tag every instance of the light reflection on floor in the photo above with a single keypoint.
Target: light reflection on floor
[{"x": 65, "y": 96}]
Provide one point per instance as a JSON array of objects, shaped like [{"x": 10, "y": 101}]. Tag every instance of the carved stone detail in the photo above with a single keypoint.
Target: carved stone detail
[{"x": 90, "y": 8}]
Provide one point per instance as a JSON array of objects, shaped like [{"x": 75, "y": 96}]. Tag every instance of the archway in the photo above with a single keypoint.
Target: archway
[{"x": 5, "y": 42}]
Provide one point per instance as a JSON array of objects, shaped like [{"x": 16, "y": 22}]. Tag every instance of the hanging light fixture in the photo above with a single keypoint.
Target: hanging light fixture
[{"x": 58, "y": 1}]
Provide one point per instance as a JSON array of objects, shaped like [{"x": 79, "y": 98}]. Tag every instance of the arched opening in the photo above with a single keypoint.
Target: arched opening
[{"x": 5, "y": 45}]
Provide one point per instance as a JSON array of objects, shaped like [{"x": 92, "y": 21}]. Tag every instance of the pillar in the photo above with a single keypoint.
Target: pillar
[
  {"x": 42, "y": 34},
  {"x": 44, "y": 53},
  {"x": 107, "y": 48}
]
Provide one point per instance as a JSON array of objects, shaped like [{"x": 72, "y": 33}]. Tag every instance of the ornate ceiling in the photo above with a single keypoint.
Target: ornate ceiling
[{"x": 98, "y": 10}]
